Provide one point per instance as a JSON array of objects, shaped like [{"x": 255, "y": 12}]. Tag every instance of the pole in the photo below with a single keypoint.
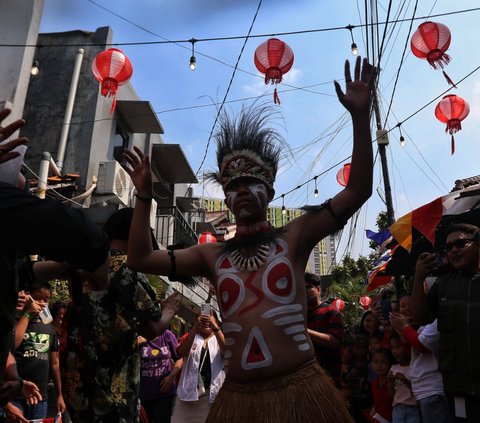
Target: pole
[
  {"x": 43, "y": 175},
  {"x": 69, "y": 109},
  {"x": 382, "y": 141}
]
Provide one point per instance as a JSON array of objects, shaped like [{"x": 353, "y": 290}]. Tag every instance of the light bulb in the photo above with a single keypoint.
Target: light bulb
[
  {"x": 354, "y": 49},
  {"x": 315, "y": 193},
  {"x": 402, "y": 141},
  {"x": 35, "y": 70},
  {"x": 193, "y": 63},
  {"x": 284, "y": 210}
]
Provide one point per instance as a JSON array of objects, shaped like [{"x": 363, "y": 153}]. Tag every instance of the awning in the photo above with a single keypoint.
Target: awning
[
  {"x": 188, "y": 203},
  {"x": 170, "y": 164},
  {"x": 139, "y": 117}
]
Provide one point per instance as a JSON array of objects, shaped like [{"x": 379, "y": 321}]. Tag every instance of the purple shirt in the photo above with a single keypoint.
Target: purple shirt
[{"x": 156, "y": 363}]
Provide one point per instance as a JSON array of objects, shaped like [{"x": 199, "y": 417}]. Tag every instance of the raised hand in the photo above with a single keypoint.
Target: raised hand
[
  {"x": 6, "y": 148},
  {"x": 139, "y": 170},
  {"x": 358, "y": 94}
]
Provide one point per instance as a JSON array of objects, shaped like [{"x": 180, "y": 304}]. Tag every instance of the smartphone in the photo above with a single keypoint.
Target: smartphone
[
  {"x": 205, "y": 309},
  {"x": 386, "y": 309}
]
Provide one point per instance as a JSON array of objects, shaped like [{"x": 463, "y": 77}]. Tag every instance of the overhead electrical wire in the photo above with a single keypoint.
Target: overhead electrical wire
[
  {"x": 387, "y": 132},
  {"x": 240, "y": 37},
  {"x": 228, "y": 89}
]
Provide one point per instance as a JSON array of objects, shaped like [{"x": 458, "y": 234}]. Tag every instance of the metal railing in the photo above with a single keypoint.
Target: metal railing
[{"x": 172, "y": 228}]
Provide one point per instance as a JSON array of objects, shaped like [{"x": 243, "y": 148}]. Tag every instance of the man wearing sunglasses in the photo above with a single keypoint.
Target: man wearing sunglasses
[{"x": 454, "y": 300}]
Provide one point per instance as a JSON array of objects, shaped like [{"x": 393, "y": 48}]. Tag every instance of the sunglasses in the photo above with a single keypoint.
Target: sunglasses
[{"x": 458, "y": 244}]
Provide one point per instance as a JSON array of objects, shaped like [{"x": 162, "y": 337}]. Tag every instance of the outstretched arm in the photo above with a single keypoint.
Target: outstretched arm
[
  {"x": 357, "y": 100},
  {"x": 141, "y": 257}
]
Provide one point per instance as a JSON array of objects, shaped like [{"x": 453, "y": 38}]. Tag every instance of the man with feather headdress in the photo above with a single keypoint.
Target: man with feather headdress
[{"x": 272, "y": 375}]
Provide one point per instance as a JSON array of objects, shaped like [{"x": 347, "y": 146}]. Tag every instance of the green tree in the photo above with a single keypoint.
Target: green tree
[{"x": 348, "y": 283}]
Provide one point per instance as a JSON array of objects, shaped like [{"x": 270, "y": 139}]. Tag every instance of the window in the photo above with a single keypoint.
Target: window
[{"x": 120, "y": 143}]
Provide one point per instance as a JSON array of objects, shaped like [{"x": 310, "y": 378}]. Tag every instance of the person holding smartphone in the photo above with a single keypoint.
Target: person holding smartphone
[
  {"x": 202, "y": 376},
  {"x": 454, "y": 299}
]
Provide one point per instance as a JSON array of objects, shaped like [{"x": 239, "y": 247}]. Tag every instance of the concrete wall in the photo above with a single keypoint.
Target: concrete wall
[
  {"x": 19, "y": 21},
  {"x": 92, "y": 128}
]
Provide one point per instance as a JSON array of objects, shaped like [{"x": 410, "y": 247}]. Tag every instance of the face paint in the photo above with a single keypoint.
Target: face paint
[
  {"x": 259, "y": 192},
  {"x": 230, "y": 198}
]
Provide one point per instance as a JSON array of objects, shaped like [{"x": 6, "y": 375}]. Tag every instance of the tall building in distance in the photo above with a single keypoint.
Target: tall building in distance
[{"x": 322, "y": 257}]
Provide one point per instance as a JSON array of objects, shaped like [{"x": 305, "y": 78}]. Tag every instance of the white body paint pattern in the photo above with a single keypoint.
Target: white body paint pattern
[
  {"x": 231, "y": 327},
  {"x": 256, "y": 342},
  {"x": 278, "y": 285}
]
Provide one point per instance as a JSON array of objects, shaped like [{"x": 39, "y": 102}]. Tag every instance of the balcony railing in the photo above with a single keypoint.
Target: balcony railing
[{"x": 172, "y": 228}]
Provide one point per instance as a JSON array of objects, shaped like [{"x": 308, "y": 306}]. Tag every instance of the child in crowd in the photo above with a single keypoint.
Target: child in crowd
[
  {"x": 374, "y": 343},
  {"x": 347, "y": 355},
  {"x": 405, "y": 408},
  {"x": 382, "y": 402},
  {"x": 355, "y": 381},
  {"x": 404, "y": 307},
  {"x": 427, "y": 384}
]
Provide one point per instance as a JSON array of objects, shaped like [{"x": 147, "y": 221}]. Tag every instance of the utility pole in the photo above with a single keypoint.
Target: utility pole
[{"x": 382, "y": 141}]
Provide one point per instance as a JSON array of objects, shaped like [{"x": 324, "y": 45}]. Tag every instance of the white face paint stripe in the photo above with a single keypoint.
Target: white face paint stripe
[
  {"x": 289, "y": 319},
  {"x": 231, "y": 327},
  {"x": 294, "y": 329},
  {"x": 230, "y": 198},
  {"x": 300, "y": 338},
  {"x": 281, "y": 310},
  {"x": 304, "y": 347},
  {"x": 229, "y": 341}
]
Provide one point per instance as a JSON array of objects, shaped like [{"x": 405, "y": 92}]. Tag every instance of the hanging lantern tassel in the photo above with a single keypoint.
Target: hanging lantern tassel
[
  {"x": 109, "y": 89},
  {"x": 449, "y": 80},
  {"x": 453, "y": 126},
  {"x": 276, "y": 98}
]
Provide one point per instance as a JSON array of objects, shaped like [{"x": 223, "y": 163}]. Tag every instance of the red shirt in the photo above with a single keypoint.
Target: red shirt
[{"x": 381, "y": 400}]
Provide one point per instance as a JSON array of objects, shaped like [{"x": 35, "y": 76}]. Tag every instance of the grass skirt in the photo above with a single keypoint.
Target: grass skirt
[{"x": 307, "y": 395}]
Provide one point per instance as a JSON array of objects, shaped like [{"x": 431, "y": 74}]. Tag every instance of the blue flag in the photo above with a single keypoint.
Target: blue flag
[{"x": 378, "y": 237}]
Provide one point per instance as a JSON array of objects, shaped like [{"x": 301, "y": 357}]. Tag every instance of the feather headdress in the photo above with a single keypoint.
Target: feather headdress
[{"x": 247, "y": 148}]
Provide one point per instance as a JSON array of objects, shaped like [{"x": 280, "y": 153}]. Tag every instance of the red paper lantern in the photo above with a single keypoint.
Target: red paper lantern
[
  {"x": 365, "y": 302},
  {"x": 452, "y": 110},
  {"x": 111, "y": 68},
  {"x": 343, "y": 175},
  {"x": 274, "y": 58},
  {"x": 430, "y": 42},
  {"x": 206, "y": 238},
  {"x": 339, "y": 304}
]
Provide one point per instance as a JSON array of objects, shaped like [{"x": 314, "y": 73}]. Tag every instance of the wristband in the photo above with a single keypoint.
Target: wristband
[
  {"x": 27, "y": 315},
  {"x": 216, "y": 329},
  {"x": 142, "y": 198}
]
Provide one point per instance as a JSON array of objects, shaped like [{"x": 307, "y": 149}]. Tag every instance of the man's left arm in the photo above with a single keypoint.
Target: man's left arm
[{"x": 326, "y": 219}]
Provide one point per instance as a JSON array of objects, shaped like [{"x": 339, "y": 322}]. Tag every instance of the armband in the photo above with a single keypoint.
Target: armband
[
  {"x": 173, "y": 269},
  {"x": 142, "y": 198}
]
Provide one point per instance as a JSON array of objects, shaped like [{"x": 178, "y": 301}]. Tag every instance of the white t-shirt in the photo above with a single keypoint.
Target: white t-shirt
[
  {"x": 402, "y": 391},
  {"x": 423, "y": 373}
]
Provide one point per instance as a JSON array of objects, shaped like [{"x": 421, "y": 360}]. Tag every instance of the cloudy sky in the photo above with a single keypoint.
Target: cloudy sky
[{"x": 310, "y": 117}]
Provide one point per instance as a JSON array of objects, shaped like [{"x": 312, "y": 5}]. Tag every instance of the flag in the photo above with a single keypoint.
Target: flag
[
  {"x": 378, "y": 237},
  {"x": 375, "y": 277}
]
